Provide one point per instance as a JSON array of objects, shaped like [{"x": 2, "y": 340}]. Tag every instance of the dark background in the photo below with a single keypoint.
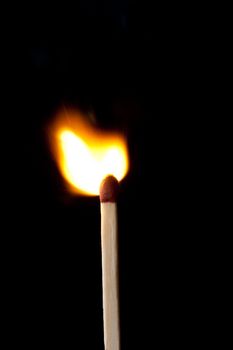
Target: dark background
[{"x": 135, "y": 68}]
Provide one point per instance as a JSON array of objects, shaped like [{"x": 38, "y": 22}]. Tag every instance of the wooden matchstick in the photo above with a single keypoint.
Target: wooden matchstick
[{"x": 108, "y": 193}]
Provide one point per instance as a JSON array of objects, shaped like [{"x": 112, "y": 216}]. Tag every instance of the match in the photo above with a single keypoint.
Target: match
[
  {"x": 94, "y": 162},
  {"x": 108, "y": 196}
]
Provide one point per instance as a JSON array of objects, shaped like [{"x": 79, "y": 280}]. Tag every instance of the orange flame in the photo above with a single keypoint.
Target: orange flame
[{"x": 86, "y": 155}]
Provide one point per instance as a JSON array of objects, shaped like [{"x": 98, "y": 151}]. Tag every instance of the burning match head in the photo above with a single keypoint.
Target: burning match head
[{"x": 109, "y": 189}]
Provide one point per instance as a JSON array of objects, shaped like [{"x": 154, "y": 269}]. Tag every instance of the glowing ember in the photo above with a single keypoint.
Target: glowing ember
[{"x": 86, "y": 155}]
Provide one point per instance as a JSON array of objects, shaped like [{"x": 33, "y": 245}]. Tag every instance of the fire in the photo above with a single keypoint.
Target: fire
[{"x": 85, "y": 154}]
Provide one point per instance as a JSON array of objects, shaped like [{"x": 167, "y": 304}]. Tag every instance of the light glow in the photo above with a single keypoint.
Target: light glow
[{"x": 86, "y": 155}]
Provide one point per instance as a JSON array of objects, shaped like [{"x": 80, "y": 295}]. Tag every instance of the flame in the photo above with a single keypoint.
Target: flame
[{"x": 86, "y": 155}]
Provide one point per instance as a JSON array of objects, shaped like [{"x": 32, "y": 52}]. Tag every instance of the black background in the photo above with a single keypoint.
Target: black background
[{"x": 135, "y": 68}]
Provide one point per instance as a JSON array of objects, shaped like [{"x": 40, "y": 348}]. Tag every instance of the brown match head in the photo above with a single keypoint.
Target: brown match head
[{"x": 109, "y": 189}]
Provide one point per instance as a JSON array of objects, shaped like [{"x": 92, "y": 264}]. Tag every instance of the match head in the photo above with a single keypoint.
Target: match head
[{"x": 109, "y": 189}]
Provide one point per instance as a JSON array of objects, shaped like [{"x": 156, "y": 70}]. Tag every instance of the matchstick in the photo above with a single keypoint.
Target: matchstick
[{"x": 108, "y": 193}]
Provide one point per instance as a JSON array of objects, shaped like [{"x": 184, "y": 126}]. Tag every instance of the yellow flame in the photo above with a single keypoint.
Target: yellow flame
[{"x": 86, "y": 155}]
